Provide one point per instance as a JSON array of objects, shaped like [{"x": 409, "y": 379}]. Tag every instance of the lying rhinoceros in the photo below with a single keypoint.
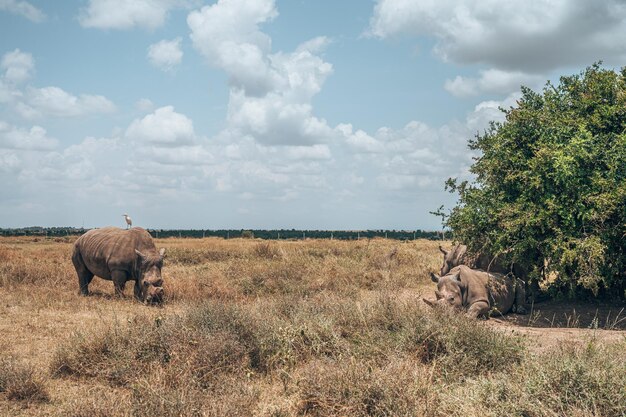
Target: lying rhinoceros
[
  {"x": 478, "y": 292},
  {"x": 120, "y": 255}
]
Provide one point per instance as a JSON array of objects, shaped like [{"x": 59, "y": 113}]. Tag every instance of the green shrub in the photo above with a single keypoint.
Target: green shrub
[{"x": 550, "y": 185}]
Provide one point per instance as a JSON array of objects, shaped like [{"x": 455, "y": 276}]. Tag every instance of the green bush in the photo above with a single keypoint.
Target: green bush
[{"x": 550, "y": 185}]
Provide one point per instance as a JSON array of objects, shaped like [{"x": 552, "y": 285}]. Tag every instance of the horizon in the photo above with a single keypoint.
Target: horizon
[{"x": 267, "y": 114}]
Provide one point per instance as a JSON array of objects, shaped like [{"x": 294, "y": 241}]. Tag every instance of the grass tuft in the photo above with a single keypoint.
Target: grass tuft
[{"x": 21, "y": 383}]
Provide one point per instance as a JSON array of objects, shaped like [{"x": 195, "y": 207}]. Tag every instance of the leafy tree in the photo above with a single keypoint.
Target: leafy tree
[{"x": 550, "y": 185}]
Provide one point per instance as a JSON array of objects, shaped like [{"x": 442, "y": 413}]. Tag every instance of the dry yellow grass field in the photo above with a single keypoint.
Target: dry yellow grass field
[{"x": 286, "y": 328}]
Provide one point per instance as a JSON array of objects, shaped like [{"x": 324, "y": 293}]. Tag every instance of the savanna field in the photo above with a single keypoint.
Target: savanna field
[{"x": 291, "y": 328}]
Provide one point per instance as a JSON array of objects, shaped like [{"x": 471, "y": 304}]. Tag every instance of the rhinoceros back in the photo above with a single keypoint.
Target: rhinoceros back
[
  {"x": 501, "y": 290},
  {"x": 495, "y": 288},
  {"x": 110, "y": 248}
]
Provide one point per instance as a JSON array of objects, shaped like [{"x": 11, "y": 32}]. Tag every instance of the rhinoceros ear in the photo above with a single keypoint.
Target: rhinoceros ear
[
  {"x": 457, "y": 276},
  {"x": 162, "y": 252},
  {"x": 445, "y": 252},
  {"x": 459, "y": 253},
  {"x": 434, "y": 277}
]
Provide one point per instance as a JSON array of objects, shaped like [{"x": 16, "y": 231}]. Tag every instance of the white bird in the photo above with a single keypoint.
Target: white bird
[{"x": 129, "y": 221}]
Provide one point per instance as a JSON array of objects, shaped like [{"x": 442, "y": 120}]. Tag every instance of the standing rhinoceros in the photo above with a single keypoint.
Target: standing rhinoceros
[
  {"x": 478, "y": 292},
  {"x": 120, "y": 255}
]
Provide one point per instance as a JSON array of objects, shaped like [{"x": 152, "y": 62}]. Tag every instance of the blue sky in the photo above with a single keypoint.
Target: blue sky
[{"x": 267, "y": 113}]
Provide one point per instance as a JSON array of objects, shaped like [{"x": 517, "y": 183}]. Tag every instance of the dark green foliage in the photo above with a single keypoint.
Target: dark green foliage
[{"x": 550, "y": 187}]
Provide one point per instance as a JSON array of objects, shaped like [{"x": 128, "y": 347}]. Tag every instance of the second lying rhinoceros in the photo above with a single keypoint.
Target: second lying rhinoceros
[
  {"x": 479, "y": 293},
  {"x": 120, "y": 255}
]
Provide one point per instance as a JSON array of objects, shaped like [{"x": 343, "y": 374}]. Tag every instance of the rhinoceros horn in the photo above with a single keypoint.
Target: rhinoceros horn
[{"x": 427, "y": 301}]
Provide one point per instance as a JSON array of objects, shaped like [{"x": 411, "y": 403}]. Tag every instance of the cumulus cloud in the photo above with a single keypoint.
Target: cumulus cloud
[
  {"x": 122, "y": 14},
  {"x": 274, "y": 143},
  {"x": 359, "y": 141},
  {"x": 418, "y": 156},
  {"x": 527, "y": 36},
  {"x": 227, "y": 34},
  {"x": 163, "y": 127},
  {"x": 179, "y": 156},
  {"x": 271, "y": 93},
  {"x": 33, "y": 139},
  {"x": 23, "y": 8},
  {"x": 18, "y": 66},
  {"x": 492, "y": 81},
  {"x": 518, "y": 43},
  {"x": 54, "y": 101},
  {"x": 166, "y": 55},
  {"x": 31, "y": 103}
]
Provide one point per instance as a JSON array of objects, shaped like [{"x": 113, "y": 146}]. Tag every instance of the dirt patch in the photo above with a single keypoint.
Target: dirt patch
[
  {"x": 542, "y": 339},
  {"x": 554, "y": 323},
  {"x": 571, "y": 314}
]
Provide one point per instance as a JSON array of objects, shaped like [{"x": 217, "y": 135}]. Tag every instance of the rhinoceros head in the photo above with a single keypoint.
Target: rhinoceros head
[
  {"x": 449, "y": 291},
  {"x": 150, "y": 282},
  {"x": 452, "y": 258}
]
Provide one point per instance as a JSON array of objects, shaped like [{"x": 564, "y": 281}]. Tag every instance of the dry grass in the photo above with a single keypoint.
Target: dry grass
[
  {"x": 278, "y": 328},
  {"x": 20, "y": 382}
]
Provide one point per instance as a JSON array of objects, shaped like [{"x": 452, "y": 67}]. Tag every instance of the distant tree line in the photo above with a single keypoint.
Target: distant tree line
[
  {"x": 290, "y": 234},
  {"x": 43, "y": 231}
]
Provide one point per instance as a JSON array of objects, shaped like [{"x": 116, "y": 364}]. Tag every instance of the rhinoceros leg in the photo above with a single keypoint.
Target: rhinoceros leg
[
  {"x": 478, "y": 309},
  {"x": 119, "y": 282},
  {"x": 520, "y": 297},
  {"x": 84, "y": 275},
  {"x": 138, "y": 294}
]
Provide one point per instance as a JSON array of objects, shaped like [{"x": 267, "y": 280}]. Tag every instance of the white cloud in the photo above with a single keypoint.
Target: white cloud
[
  {"x": 123, "y": 14},
  {"x": 9, "y": 162},
  {"x": 359, "y": 141},
  {"x": 18, "y": 66},
  {"x": 33, "y": 139},
  {"x": 518, "y": 42},
  {"x": 54, "y": 101},
  {"x": 163, "y": 127},
  {"x": 492, "y": 81},
  {"x": 31, "y": 103},
  {"x": 276, "y": 120},
  {"x": 271, "y": 93},
  {"x": 181, "y": 156},
  {"x": 319, "y": 151},
  {"x": 166, "y": 55},
  {"x": 144, "y": 105},
  {"x": 228, "y": 36},
  {"x": 23, "y": 8},
  {"x": 533, "y": 37}
]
